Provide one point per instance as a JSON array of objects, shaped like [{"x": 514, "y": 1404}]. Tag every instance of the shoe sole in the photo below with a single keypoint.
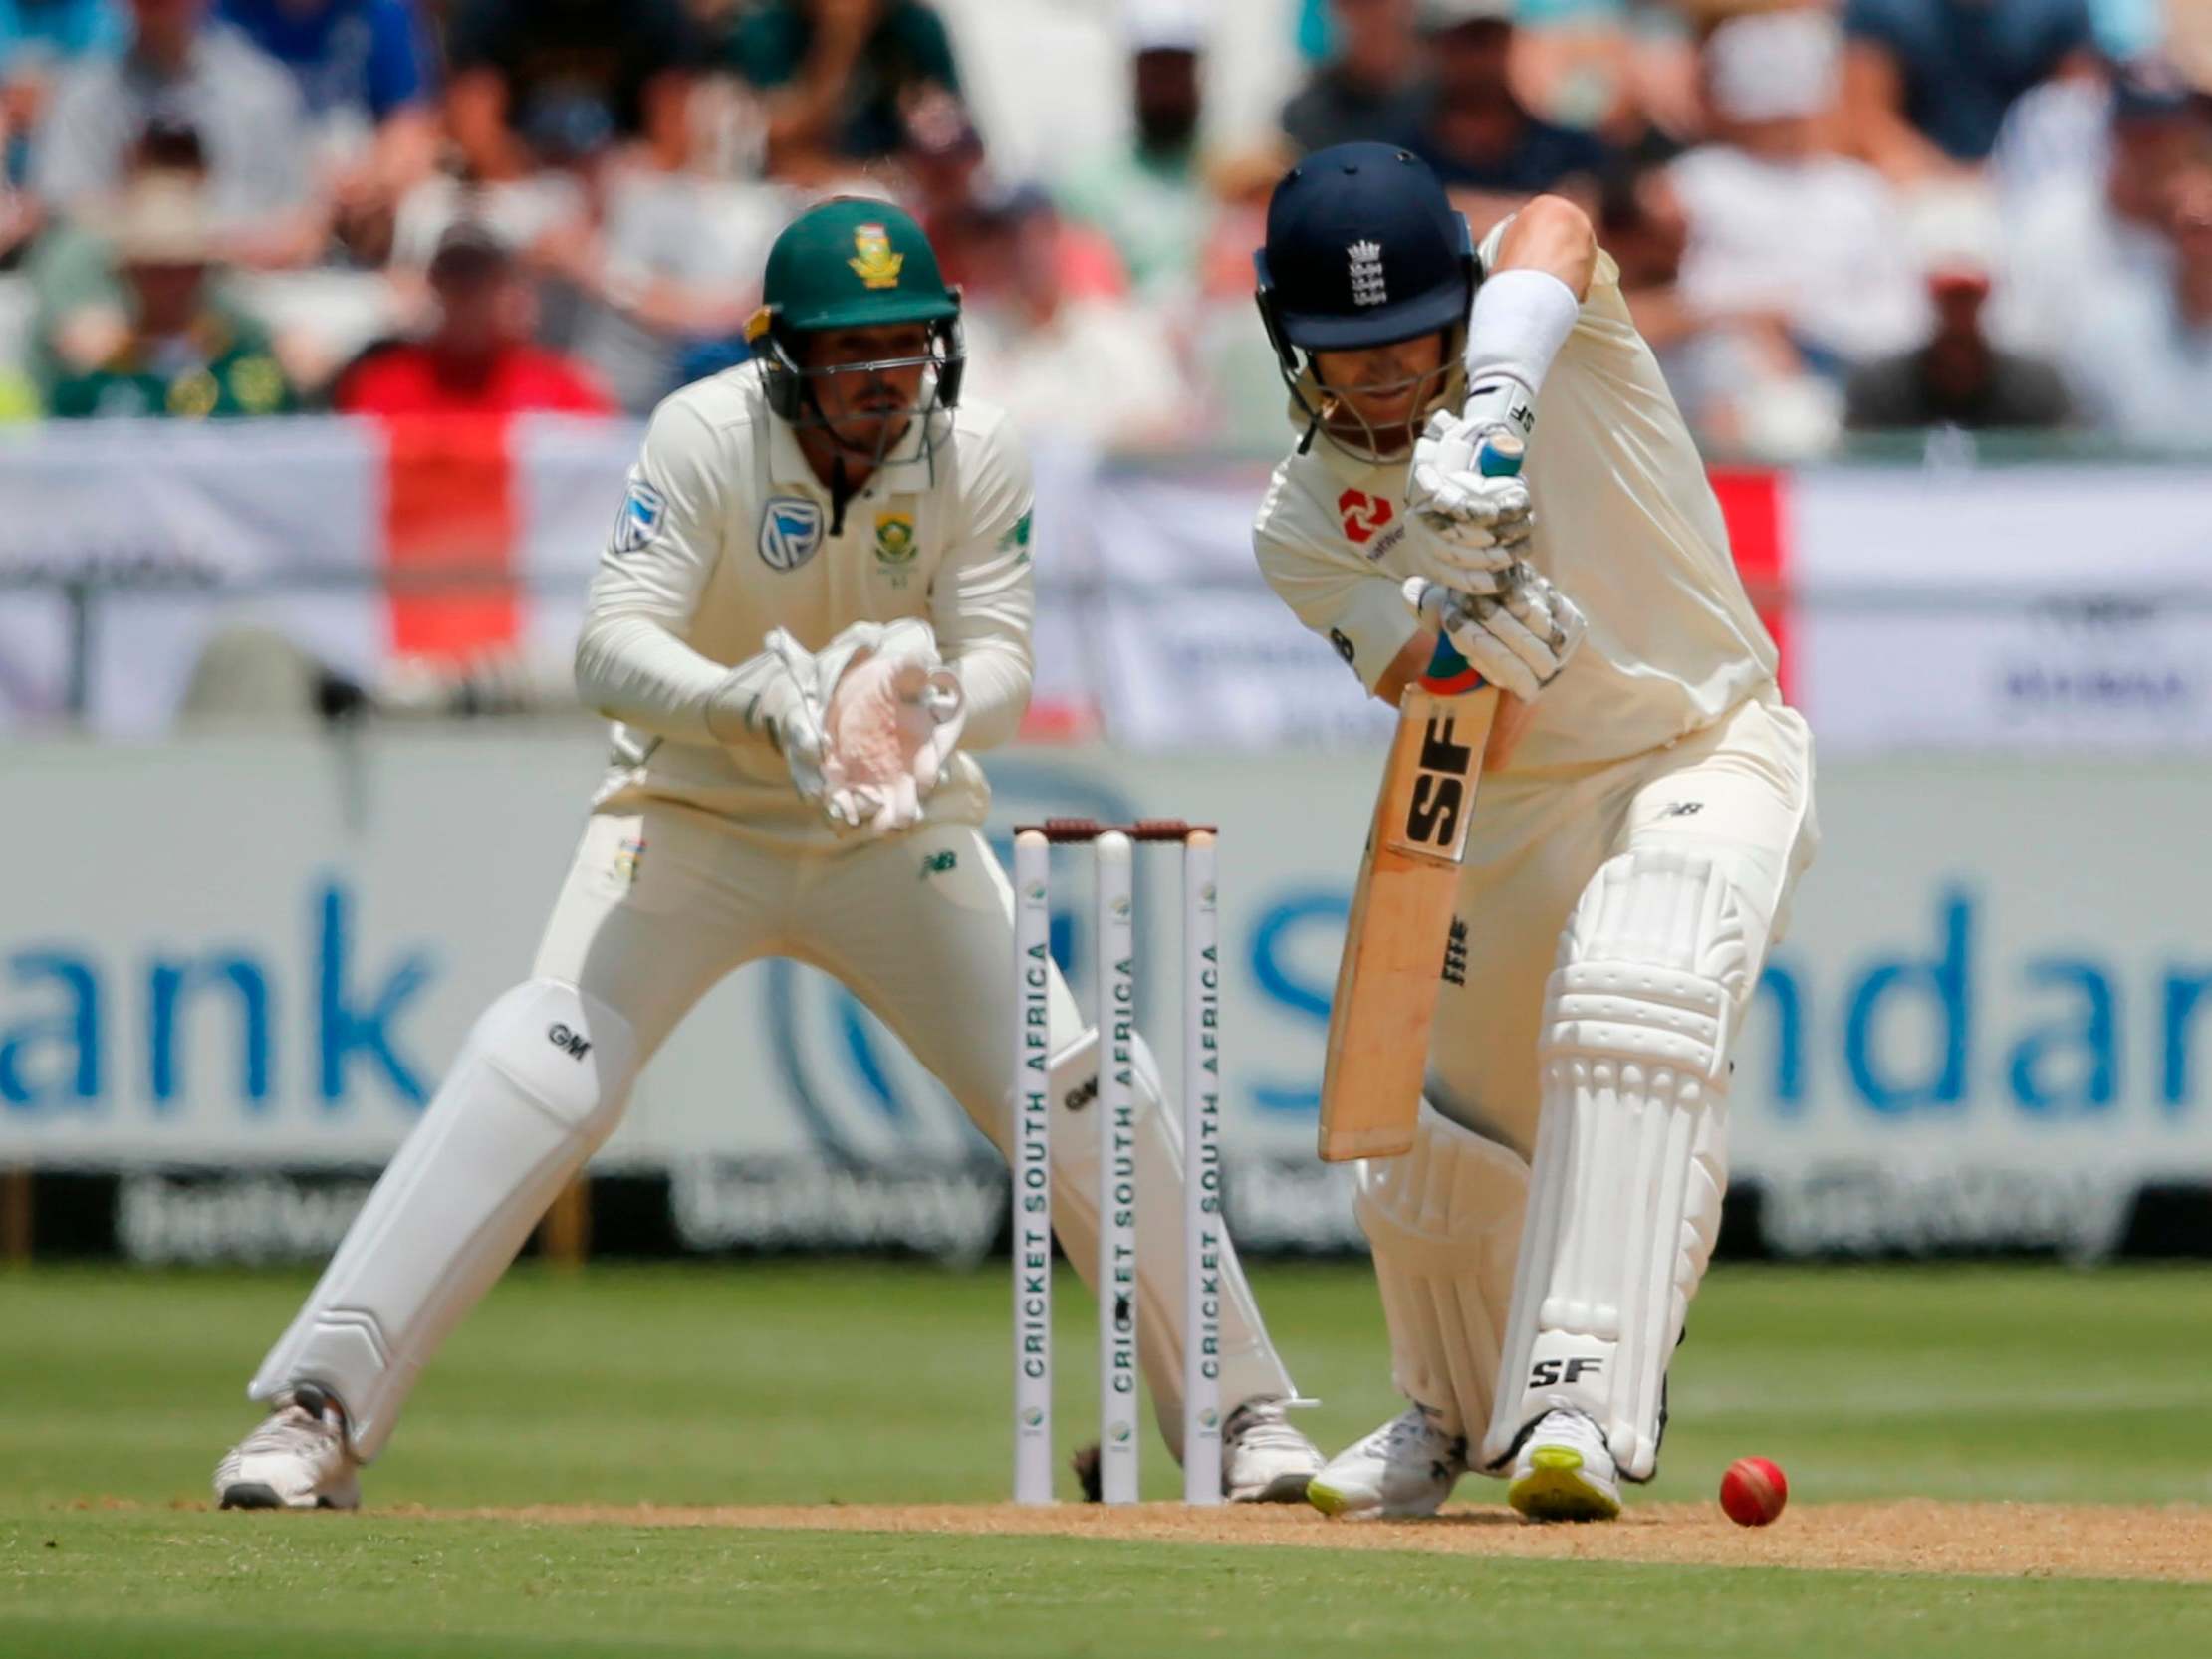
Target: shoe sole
[
  {"x": 1283, "y": 1488},
  {"x": 259, "y": 1494},
  {"x": 1556, "y": 1488}
]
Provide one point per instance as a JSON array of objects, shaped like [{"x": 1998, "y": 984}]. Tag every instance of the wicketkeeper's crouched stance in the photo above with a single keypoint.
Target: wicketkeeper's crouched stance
[
  {"x": 1631, "y": 859},
  {"x": 840, "y": 501}
]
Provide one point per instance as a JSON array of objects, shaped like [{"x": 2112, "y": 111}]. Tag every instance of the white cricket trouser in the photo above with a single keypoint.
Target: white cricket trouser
[
  {"x": 928, "y": 946},
  {"x": 1740, "y": 791}
]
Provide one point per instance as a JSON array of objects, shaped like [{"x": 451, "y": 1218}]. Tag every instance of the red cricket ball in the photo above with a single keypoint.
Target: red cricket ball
[{"x": 1753, "y": 1491}]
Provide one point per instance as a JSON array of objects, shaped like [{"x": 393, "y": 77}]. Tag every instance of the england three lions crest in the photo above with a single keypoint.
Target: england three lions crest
[{"x": 1367, "y": 274}]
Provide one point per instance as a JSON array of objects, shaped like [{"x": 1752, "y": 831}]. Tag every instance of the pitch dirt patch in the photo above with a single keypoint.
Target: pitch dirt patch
[{"x": 1919, "y": 1536}]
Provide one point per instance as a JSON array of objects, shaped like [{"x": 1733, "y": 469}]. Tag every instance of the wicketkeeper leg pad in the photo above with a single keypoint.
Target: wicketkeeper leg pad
[
  {"x": 1250, "y": 1366},
  {"x": 1443, "y": 1223},
  {"x": 1653, "y": 971},
  {"x": 540, "y": 1082}
]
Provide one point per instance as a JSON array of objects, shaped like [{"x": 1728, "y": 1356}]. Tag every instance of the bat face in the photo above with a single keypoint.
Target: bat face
[{"x": 1397, "y": 944}]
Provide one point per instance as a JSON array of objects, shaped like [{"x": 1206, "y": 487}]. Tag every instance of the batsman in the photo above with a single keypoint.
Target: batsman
[
  {"x": 1646, "y": 810},
  {"x": 813, "y": 610}
]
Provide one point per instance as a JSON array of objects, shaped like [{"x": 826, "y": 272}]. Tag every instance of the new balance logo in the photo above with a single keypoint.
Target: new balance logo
[
  {"x": 572, "y": 1044},
  {"x": 1455, "y": 954},
  {"x": 1550, "y": 1373},
  {"x": 1681, "y": 809},
  {"x": 1367, "y": 274}
]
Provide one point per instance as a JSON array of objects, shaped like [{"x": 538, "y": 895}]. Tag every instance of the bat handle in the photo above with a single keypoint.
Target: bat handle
[{"x": 1500, "y": 457}]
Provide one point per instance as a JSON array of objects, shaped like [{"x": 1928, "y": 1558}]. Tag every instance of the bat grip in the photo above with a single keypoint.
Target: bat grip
[{"x": 1501, "y": 456}]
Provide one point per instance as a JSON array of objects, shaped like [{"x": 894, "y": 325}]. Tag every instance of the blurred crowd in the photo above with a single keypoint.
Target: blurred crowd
[{"x": 1828, "y": 216}]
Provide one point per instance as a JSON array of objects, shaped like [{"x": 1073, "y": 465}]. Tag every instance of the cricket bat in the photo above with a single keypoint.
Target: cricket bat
[{"x": 1398, "y": 942}]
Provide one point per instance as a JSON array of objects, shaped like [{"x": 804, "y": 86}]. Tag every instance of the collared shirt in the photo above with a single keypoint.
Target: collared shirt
[
  {"x": 727, "y": 534},
  {"x": 1625, "y": 524},
  {"x": 242, "y": 103},
  {"x": 218, "y": 368}
]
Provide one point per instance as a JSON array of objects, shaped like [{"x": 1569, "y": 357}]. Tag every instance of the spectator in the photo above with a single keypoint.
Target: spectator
[
  {"x": 37, "y": 37},
  {"x": 1372, "y": 85},
  {"x": 513, "y": 60},
  {"x": 1490, "y": 152},
  {"x": 1149, "y": 195},
  {"x": 663, "y": 260},
  {"x": 1926, "y": 83},
  {"x": 1640, "y": 222},
  {"x": 1094, "y": 368},
  {"x": 637, "y": 262},
  {"x": 244, "y": 107},
  {"x": 951, "y": 192},
  {"x": 1957, "y": 376},
  {"x": 2103, "y": 229},
  {"x": 836, "y": 74},
  {"x": 477, "y": 356},
  {"x": 2142, "y": 352},
  {"x": 1782, "y": 229},
  {"x": 82, "y": 309},
  {"x": 181, "y": 355},
  {"x": 364, "y": 68}
]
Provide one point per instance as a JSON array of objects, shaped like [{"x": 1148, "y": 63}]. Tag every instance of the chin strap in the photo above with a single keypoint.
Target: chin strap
[{"x": 841, "y": 492}]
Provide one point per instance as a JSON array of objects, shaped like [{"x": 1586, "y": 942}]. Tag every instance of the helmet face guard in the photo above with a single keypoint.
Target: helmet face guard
[{"x": 790, "y": 385}]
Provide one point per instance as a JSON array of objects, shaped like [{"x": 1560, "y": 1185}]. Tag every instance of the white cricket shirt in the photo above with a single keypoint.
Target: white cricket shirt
[
  {"x": 725, "y": 534},
  {"x": 1625, "y": 525}
]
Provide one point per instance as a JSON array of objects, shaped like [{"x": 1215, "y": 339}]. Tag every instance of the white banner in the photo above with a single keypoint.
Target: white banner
[
  {"x": 2049, "y": 609},
  {"x": 2054, "y": 609},
  {"x": 1989, "y": 1024}
]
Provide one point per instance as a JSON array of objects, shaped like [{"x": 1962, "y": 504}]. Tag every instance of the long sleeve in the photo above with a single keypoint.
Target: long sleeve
[
  {"x": 1356, "y": 605},
  {"x": 984, "y": 598},
  {"x": 632, "y": 659}
]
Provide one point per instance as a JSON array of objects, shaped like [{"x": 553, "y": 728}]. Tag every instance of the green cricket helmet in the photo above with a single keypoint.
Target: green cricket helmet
[{"x": 853, "y": 263}]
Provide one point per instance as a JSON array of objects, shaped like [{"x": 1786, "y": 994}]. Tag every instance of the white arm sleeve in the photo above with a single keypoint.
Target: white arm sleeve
[
  {"x": 984, "y": 598},
  {"x": 633, "y": 662}
]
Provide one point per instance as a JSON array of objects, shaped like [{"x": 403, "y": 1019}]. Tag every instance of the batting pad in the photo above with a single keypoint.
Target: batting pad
[
  {"x": 1444, "y": 1224},
  {"x": 540, "y": 1082},
  {"x": 1630, "y": 1151},
  {"x": 1250, "y": 1366}
]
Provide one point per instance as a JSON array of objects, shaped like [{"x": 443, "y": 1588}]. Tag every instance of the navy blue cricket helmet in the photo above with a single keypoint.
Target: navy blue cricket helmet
[{"x": 1363, "y": 248}]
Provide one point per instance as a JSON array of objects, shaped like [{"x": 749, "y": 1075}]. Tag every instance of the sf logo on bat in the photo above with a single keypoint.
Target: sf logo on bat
[{"x": 1436, "y": 807}]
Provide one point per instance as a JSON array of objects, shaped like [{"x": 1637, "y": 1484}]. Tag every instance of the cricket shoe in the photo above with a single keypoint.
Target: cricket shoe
[
  {"x": 1407, "y": 1468},
  {"x": 1565, "y": 1472},
  {"x": 1263, "y": 1459},
  {"x": 296, "y": 1460}
]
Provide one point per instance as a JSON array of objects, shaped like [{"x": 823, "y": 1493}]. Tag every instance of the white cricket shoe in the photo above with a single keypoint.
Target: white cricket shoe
[
  {"x": 296, "y": 1460},
  {"x": 1407, "y": 1468},
  {"x": 1263, "y": 1459},
  {"x": 1565, "y": 1472}
]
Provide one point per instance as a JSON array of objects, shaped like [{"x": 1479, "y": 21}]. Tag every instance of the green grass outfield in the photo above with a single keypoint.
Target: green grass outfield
[{"x": 747, "y": 1384}]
